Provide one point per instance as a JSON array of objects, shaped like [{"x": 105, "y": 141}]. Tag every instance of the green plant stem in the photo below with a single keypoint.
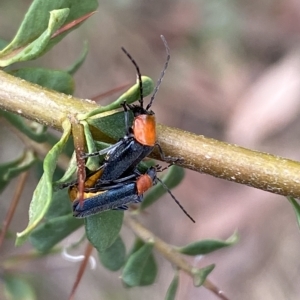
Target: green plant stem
[
  {"x": 260, "y": 170},
  {"x": 257, "y": 169},
  {"x": 37, "y": 103},
  {"x": 168, "y": 252}
]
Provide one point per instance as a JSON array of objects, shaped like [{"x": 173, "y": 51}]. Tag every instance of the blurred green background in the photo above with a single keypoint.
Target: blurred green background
[{"x": 234, "y": 75}]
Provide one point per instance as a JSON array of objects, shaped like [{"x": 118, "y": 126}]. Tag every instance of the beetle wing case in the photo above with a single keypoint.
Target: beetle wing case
[
  {"x": 124, "y": 159},
  {"x": 117, "y": 198}
]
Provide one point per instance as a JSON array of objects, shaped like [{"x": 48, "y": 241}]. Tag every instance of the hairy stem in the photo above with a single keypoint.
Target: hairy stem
[{"x": 260, "y": 170}]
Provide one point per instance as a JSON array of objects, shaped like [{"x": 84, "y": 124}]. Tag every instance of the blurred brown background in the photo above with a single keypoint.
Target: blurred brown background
[{"x": 234, "y": 75}]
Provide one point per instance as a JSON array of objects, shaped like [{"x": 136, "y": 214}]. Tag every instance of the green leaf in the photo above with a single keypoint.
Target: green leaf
[
  {"x": 101, "y": 145},
  {"x": 201, "y": 274},
  {"x": 52, "y": 139},
  {"x": 3, "y": 44},
  {"x": 42, "y": 195},
  {"x": 140, "y": 268},
  {"x": 296, "y": 207},
  {"x": 172, "y": 290},
  {"x": 93, "y": 162},
  {"x": 13, "y": 168},
  {"x": 68, "y": 150},
  {"x": 173, "y": 177},
  {"x": 138, "y": 243},
  {"x": 77, "y": 64},
  {"x": 113, "y": 258},
  {"x": 33, "y": 32},
  {"x": 112, "y": 125},
  {"x": 68, "y": 176},
  {"x": 130, "y": 96},
  {"x": 207, "y": 246},
  {"x": 36, "y": 133},
  {"x": 60, "y": 204},
  {"x": 51, "y": 232},
  {"x": 37, "y": 47},
  {"x": 103, "y": 229},
  {"x": 150, "y": 271},
  {"x": 60, "y": 81},
  {"x": 17, "y": 288}
]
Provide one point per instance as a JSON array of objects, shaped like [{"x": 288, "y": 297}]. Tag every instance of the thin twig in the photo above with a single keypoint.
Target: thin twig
[
  {"x": 169, "y": 253},
  {"x": 87, "y": 253},
  {"x": 13, "y": 205}
]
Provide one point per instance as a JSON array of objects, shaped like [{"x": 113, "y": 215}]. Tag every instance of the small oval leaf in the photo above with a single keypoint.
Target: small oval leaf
[
  {"x": 94, "y": 161},
  {"x": 3, "y": 44},
  {"x": 113, "y": 258},
  {"x": 13, "y": 168},
  {"x": 172, "y": 290},
  {"x": 38, "y": 46},
  {"x": 140, "y": 268},
  {"x": 130, "y": 96},
  {"x": 57, "y": 80},
  {"x": 112, "y": 125},
  {"x": 77, "y": 64},
  {"x": 51, "y": 232},
  {"x": 138, "y": 243},
  {"x": 69, "y": 174},
  {"x": 207, "y": 246},
  {"x": 103, "y": 229},
  {"x": 201, "y": 274},
  {"x": 36, "y": 21},
  {"x": 60, "y": 205},
  {"x": 42, "y": 195}
]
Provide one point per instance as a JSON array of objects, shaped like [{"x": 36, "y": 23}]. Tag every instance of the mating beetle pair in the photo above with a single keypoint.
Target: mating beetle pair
[
  {"x": 117, "y": 182},
  {"x": 100, "y": 197}
]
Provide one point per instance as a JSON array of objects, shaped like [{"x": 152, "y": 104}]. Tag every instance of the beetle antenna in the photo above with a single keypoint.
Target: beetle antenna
[
  {"x": 177, "y": 202},
  {"x": 138, "y": 75},
  {"x": 159, "y": 81}
]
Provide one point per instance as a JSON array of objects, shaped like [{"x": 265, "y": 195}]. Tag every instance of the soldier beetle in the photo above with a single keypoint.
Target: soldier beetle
[
  {"x": 139, "y": 141},
  {"x": 118, "y": 195}
]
